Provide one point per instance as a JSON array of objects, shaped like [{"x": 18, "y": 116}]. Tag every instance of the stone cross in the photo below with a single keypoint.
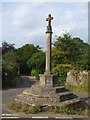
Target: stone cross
[
  {"x": 48, "y": 49},
  {"x": 48, "y": 79},
  {"x": 49, "y": 20}
]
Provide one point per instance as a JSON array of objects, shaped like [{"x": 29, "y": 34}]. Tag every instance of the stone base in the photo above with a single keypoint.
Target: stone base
[
  {"x": 46, "y": 96},
  {"x": 48, "y": 79},
  {"x": 46, "y": 93}
]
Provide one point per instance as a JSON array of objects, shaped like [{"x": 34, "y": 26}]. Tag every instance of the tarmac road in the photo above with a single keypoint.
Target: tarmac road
[{"x": 9, "y": 94}]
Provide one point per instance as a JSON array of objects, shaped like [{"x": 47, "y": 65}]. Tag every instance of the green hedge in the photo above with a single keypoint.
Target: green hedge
[{"x": 61, "y": 70}]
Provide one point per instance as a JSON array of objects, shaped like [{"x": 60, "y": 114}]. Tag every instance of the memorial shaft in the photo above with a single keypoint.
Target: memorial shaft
[{"x": 49, "y": 41}]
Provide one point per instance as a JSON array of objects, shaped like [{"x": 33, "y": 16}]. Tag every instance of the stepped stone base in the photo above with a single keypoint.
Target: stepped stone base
[{"x": 48, "y": 95}]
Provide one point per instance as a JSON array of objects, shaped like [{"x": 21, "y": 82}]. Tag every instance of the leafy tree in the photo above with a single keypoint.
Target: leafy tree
[
  {"x": 68, "y": 51},
  {"x": 84, "y": 62},
  {"x": 6, "y": 47},
  {"x": 24, "y": 53},
  {"x": 37, "y": 62},
  {"x": 9, "y": 69}
]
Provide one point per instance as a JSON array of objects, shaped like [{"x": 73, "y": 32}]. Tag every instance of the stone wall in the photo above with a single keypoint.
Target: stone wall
[{"x": 77, "y": 77}]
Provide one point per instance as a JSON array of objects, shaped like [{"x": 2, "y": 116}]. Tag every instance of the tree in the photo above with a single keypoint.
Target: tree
[
  {"x": 10, "y": 69},
  {"x": 24, "y": 53},
  {"x": 69, "y": 53},
  {"x": 68, "y": 50},
  {"x": 84, "y": 61},
  {"x": 6, "y": 47},
  {"x": 37, "y": 62}
]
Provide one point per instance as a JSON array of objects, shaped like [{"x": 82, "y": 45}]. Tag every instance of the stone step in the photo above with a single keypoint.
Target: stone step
[
  {"x": 73, "y": 103},
  {"x": 60, "y": 89},
  {"x": 66, "y": 96}
]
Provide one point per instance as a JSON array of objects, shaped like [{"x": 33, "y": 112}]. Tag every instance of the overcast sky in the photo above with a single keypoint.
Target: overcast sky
[{"x": 26, "y": 22}]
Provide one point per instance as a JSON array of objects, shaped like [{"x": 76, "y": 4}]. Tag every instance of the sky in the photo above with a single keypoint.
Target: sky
[{"x": 25, "y": 22}]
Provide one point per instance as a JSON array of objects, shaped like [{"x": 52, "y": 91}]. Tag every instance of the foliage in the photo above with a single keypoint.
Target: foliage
[
  {"x": 37, "y": 74},
  {"x": 37, "y": 63},
  {"x": 24, "y": 53},
  {"x": 84, "y": 61},
  {"x": 61, "y": 70},
  {"x": 34, "y": 109},
  {"x": 80, "y": 88},
  {"x": 69, "y": 51},
  {"x": 27, "y": 109},
  {"x": 6, "y": 47},
  {"x": 69, "y": 110},
  {"x": 9, "y": 69},
  {"x": 78, "y": 81},
  {"x": 33, "y": 73}
]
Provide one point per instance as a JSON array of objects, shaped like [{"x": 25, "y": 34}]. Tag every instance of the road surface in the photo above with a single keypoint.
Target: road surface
[{"x": 9, "y": 94}]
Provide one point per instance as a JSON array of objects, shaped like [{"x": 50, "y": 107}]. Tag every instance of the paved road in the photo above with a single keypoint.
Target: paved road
[{"x": 9, "y": 94}]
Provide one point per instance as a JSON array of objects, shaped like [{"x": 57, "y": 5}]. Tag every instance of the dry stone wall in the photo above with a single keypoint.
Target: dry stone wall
[{"x": 76, "y": 77}]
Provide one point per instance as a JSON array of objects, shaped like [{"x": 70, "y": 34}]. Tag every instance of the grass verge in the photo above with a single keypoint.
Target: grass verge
[
  {"x": 79, "y": 88},
  {"x": 27, "y": 109}
]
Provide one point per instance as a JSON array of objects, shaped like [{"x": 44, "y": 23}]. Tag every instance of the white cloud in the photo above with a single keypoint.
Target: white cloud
[{"x": 25, "y": 23}]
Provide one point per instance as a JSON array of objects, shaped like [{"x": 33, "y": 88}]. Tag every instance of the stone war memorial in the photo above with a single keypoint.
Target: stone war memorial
[{"x": 46, "y": 92}]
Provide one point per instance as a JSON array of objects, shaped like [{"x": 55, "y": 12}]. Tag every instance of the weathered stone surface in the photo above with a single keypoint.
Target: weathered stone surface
[
  {"x": 75, "y": 77},
  {"x": 47, "y": 96},
  {"x": 48, "y": 79},
  {"x": 48, "y": 49}
]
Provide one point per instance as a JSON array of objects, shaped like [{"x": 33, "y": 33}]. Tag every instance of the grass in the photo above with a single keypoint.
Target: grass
[
  {"x": 79, "y": 88},
  {"x": 84, "y": 88},
  {"x": 69, "y": 111},
  {"x": 27, "y": 109}
]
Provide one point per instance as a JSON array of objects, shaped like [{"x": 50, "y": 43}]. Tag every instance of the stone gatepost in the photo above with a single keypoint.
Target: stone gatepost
[{"x": 48, "y": 78}]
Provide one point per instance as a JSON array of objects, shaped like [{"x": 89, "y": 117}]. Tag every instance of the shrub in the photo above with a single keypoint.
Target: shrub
[
  {"x": 61, "y": 70},
  {"x": 10, "y": 69},
  {"x": 33, "y": 73}
]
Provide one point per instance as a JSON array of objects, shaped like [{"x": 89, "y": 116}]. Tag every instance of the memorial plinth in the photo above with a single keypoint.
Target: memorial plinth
[{"x": 48, "y": 79}]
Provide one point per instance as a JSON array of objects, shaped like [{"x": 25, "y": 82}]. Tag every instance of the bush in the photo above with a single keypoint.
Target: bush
[
  {"x": 9, "y": 77},
  {"x": 10, "y": 70},
  {"x": 36, "y": 73},
  {"x": 37, "y": 63},
  {"x": 33, "y": 73},
  {"x": 61, "y": 70}
]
